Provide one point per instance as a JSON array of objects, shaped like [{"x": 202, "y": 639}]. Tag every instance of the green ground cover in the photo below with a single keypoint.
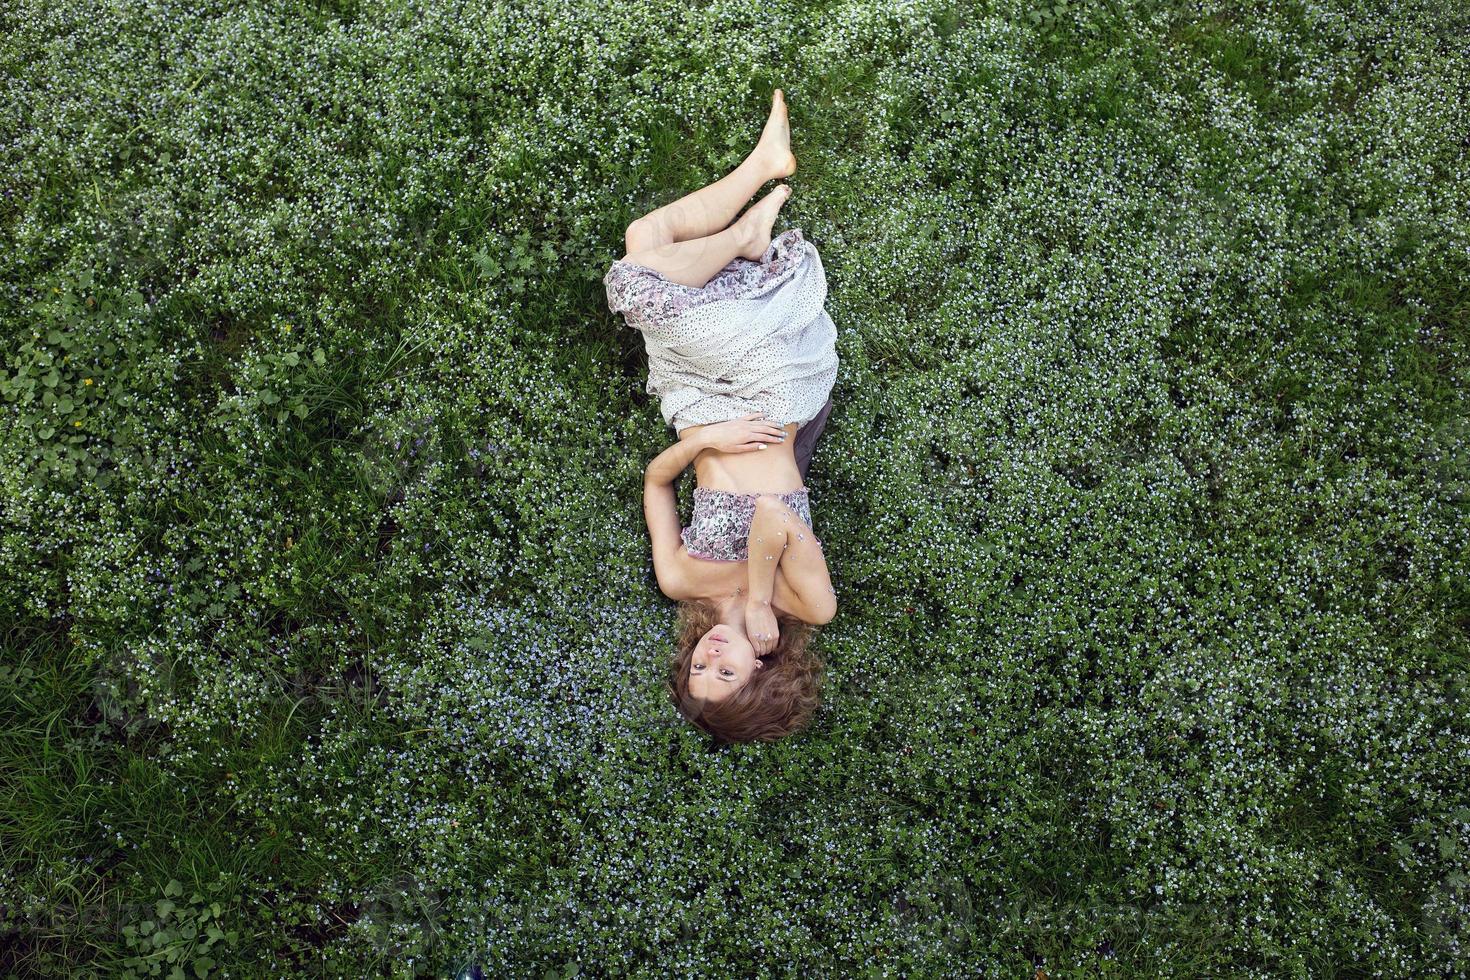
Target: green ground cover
[{"x": 332, "y": 641}]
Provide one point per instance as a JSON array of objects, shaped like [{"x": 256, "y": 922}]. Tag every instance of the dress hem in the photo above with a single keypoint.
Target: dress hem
[{"x": 756, "y": 493}]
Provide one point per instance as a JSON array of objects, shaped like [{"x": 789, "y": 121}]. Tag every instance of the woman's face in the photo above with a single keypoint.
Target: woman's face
[{"x": 723, "y": 661}]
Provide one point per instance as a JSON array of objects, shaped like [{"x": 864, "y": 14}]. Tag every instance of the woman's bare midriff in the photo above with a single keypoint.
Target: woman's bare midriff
[{"x": 769, "y": 470}]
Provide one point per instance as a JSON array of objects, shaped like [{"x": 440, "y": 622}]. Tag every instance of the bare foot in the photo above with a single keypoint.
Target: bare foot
[
  {"x": 774, "y": 149},
  {"x": 755, "y": 224}
]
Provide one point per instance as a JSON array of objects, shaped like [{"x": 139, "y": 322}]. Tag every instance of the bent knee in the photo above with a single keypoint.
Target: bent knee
[{"x": 642, "y": 234}]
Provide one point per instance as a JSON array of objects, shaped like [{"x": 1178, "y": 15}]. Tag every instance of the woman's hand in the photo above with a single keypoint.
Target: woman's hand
[
  {"x": 743, "y": 435},
  {"x": 760, "y": 626}
]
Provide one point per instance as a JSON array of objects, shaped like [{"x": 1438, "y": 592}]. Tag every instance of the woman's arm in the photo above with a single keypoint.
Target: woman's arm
[
  {"x": 661, "y": 512},
  {"x": 667, "y": 465},
  {"x": 662, "y": 515},
  {"x": 765, "y": 547},
  {"x": 789, "y": 543}
]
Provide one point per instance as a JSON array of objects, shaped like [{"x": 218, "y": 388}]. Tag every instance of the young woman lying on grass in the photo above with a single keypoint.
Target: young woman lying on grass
[{"x": 742, "y": 356}]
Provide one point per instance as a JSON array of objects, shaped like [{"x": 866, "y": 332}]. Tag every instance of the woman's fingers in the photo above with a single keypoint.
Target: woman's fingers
[{"x": 761, "y": 434}]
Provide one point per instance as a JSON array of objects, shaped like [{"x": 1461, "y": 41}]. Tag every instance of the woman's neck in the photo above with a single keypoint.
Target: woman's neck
[{"x": 732, "y": 611}]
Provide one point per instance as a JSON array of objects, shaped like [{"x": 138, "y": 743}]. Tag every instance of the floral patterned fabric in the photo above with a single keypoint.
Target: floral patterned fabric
[
  {"x": 646, "y": 296},
  {"x": 720, "y": 528},
  {"x": 754, "y": 338}
]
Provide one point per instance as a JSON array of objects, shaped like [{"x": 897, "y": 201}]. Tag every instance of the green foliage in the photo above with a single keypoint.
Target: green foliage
[
  {"x": 180, "y": 939},
  {"x": 65, "y": 384},
  {"x": 1047, "y": 16},
  {"x": 1144, "y": 494}
]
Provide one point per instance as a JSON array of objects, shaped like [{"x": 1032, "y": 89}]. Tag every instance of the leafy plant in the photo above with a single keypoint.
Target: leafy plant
[
  {"x": 68, "y": 388},
  {"x": 180, "y": 939}
]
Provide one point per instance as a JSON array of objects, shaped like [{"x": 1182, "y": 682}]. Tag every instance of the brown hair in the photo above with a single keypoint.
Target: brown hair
[{"x": 777, "y": 700}]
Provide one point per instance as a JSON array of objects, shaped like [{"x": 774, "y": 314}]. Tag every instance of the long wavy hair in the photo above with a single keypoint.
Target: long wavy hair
[{"x": 778, "y": 699}]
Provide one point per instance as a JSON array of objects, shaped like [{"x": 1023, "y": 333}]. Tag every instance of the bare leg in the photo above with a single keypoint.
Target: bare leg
[
  {"x": 695, "y": 262},
  {"x": 710, "y": 209}
]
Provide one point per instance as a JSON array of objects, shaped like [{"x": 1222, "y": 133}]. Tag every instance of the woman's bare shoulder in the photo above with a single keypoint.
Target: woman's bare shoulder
[
  {"x": 696, "y": 578},
  {"x": 700, "y": 579}
]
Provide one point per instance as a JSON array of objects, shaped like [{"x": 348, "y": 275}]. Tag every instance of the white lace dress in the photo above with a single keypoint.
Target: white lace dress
[{"x": 755, "y": 338}]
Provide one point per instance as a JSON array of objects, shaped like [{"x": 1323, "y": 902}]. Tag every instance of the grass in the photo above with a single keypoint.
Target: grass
[{"x": 332, "y": 643}]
